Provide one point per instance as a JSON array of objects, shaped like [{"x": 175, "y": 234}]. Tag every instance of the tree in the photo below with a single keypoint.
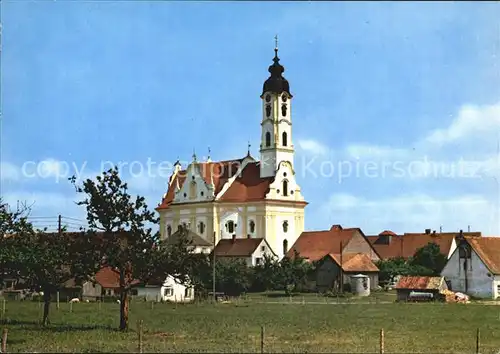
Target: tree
[
  {"x": 266, "y": 275},
  {"x": 430, "y": 257},
  {"x": 128, "y": 243},
  {"x": 44, "y": 261},
  {"x": 292, "y": 273}
]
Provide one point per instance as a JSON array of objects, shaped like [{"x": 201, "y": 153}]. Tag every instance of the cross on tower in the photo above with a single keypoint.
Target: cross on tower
[{"x": 276, "y": 42}]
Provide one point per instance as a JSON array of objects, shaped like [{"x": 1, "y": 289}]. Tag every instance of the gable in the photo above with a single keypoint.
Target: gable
[{"x": 360, "y": 244}]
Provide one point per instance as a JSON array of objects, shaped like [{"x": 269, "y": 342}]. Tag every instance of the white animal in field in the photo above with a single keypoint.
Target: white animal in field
[
  {"x": 87, "y": 300},
  {"x": 118, "y": 301},
  {"x": 74, "y": 300}
]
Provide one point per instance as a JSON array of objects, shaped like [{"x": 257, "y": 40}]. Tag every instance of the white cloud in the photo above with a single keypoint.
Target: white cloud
[
  {"x": 312, "y": 146},
  {"x": 367, "y": 151},
  {"x": 412, "y": 213},
  {"x": 9, "y": 171},
  {"x": 471, "y": 121}
]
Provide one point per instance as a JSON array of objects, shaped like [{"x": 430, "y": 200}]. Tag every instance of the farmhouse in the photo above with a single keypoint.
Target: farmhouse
[
  {"x": 170, "y": 289},
  {"x": 198, "y": 243},
  {"x": 334, "y": 267},
  {"x": 390, "y": 245},
  {"x": 251, "y": 250},
  {"x": 474, "y": 267},
  {"x": 429, "y": 285}
]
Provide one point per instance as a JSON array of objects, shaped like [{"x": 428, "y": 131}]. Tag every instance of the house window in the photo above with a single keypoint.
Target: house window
[
  {"x": 285, "y": 226},
  {"x": 258, "y": 261},
  {"x": 252, "y": 226},
  {"x": 285, "y": 188},
  {"x": 268, "y": 139},
  {"x": 284, "y": 138},
  {"x": 201, "y": 227},
  {"x": 230, "y": 226},
  {"x": 169, "y": 230},
  {"x": 168, "y": 291},
  {"x": 188, "y": 292},
  {"x": 285, "y": 246},
  {"x": 263, "y": 248}
]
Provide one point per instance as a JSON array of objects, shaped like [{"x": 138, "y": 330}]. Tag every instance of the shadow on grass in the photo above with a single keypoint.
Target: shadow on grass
[{"x": 56, "y": 327}]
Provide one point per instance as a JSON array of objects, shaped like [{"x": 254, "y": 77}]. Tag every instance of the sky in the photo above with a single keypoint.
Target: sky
[{"x": 396, "y": 107}]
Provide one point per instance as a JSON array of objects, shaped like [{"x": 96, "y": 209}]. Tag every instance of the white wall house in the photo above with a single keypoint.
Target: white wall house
[
  {"x": 171, "y": 290},
  {"x": 474, "y": 267},
  {"x": 252, "y": 250}
]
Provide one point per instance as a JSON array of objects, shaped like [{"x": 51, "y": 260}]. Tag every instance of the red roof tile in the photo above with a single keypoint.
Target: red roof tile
[
  {"x": 419, "y": 283},
  {"x": 314, "y": 245},
  {"x": 249, "y": 186},
  {"x": 107, "y": 277},
  {"x": 355, "y": 262},
  {"x": 239, "y": 247},
  {"x": 488, "y": 249}
]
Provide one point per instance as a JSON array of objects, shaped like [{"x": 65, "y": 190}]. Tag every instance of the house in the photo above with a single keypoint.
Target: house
[
  {"x": 244, "y": 196},
  {"x": 391, "y": 245},
  {"x": 198, "y": 243},
  {"x": 171, "y": 290},
  {"x": 315, "y": 245},
  {"x": 332, "y": 266},
  {"x": 474, "y": 267},
  {"x": 251, "y": 250},
  {"x": 428, "y": 285}
]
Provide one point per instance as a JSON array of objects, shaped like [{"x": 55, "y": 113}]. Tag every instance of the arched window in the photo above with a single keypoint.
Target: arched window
[
  {"x": 285, "y": 187},
  {"x": 201, "y": 227},
  {"x": 169, "y": 230},
  {"x": 284, "y": 139},
  {"x": 268, "y": 139},
  {"x": 268, "y": 110},
  {"x": 252, "y": 226},
  {"x": 283, "y": 110},
  {"x": 230, "y": 226},
  {"x": 192, "y": 190},
  {"x": 285, "y": 226},
  {"x": 285, "y": 246}
]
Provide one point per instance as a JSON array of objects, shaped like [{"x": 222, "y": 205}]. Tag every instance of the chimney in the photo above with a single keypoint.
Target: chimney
[
  {"x": 248, "y": 236},
  {"x": 234, "y": 237},
  {"x": 434, "y": 233},
  {"x": 427, "y": 231}
]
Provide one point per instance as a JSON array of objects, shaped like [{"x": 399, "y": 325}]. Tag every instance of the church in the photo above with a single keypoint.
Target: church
[{"x": 243, "y": 197}]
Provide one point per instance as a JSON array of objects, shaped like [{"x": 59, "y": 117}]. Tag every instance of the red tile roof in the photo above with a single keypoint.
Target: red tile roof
[
  {"x": 488, "y": 249},
  {"x": 405, "y": 246},
  {"x": 419, "y": 283},
  {"x": 314, "y": 245},
  {"x": 219, "y": 172},
  {"x": 107, "y": 277},
  {"x": 355, "y": 262},
  {"x": 239, "y": 247},
  {"x": 249, "y": 186}
]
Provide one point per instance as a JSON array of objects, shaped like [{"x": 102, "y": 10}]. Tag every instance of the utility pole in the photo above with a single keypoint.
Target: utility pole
[
  {"x": 341, "y": 271},
  {"x": 213, "y": 272},
  {"x": 59, "y": 224}
]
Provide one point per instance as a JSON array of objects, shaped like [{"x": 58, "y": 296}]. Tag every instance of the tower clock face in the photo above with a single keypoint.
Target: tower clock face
[
  {"x": 268, "y": 98},
  {"x": 283, "y": 97}
]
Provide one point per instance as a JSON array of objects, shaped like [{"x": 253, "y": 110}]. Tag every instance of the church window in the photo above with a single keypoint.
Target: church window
[
  {"x": 284, "y": 138},
  {"x": 185, "y": 195},
  {"x": 285, "y": 188},
  {"x": 283, "y": 110},
  {"x": 268, "y": 98},
  {"x": 201, "y": 227},
  {"x": 252, "y": 226},
  {"x": 283, "y": 97},
  {"x": 230, "y": 226},
  {"x": 285, "y": 246},
  {"x": 268, "y": 139},
  {"x": 285, "y": 226},
  {"x": 169, "y": 230},
  {"x": 192, "y": 190},
  {"x": 201, "y": 193},
  {"x": 268, "y": 110},
  {"x": 284, "y": 174}
]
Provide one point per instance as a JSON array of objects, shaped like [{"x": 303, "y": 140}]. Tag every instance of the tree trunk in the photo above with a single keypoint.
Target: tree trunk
[
  {"x": 46, "y": 306},
  {"x": 124, "y": 310}
]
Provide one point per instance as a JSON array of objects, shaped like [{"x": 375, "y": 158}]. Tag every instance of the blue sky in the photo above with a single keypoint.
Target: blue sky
[{"x": 375, "y": 84}]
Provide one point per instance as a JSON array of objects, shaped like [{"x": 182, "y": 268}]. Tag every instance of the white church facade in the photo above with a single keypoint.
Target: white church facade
[{"x": 244, "y": 198}]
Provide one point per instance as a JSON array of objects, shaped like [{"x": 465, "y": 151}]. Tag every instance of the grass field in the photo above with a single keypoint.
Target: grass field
[{"x": 315, "y": 326}]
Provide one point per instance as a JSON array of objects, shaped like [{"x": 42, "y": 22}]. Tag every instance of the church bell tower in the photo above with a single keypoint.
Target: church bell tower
[{"x": 276, "y": 139}]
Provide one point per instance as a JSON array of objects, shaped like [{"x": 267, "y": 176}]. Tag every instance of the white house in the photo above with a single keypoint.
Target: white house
[
  {"x": 474, "y": 267},
  {"x": 252, "y": 250},
  {"x": 171, "y": 290}
]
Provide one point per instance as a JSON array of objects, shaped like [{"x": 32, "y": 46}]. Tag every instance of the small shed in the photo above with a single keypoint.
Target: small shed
[{"x": 422, "y": 285}]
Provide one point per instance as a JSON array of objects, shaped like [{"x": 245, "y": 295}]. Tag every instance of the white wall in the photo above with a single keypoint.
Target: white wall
[
  {"x": 260, "y": 253},
  {"x": 479, "y": 283},
  {"x": 236, "y": 218}
]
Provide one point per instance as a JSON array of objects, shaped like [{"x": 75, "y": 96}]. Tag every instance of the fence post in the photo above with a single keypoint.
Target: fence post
[
  {"x": 4, "y": 340},
  {"x": 152, "y": 305},
  {"x": 261, "y": 339},
  {"x": 70, "y": 306},
  {"x": 477, "y": 341},
  {"x": 57, "y": 299},
  {"x": 3, "y": 308},
  {"x": 139, "y": 331},
  {"x": 382, "y": 342}
]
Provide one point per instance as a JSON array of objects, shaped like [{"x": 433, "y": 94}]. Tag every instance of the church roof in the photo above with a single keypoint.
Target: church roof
[
  {"x": 249, "y": 186},
  {"x": 276, "y": 83},
  {"x": 196, "y": 240}
]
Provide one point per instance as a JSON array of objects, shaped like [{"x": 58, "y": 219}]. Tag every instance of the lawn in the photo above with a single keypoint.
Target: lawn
[{"x": 315, "y": 326}]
